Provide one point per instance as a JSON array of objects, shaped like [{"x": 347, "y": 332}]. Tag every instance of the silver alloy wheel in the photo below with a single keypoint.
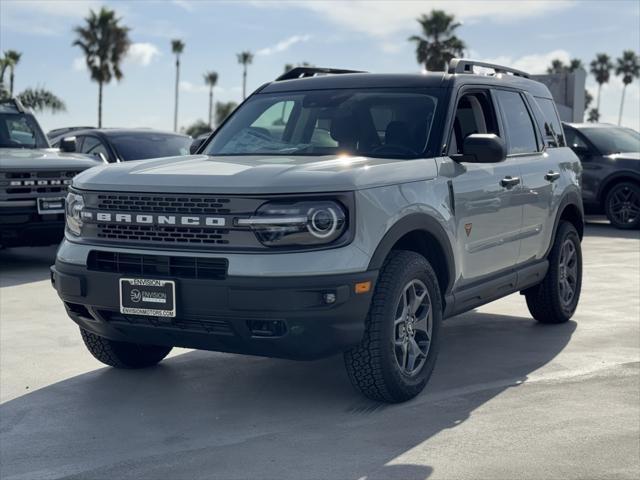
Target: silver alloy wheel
[
  {"x": 624, "y": 205},
  {"x": 413, "y": 326},
  {"x": 568, "y": 272}
]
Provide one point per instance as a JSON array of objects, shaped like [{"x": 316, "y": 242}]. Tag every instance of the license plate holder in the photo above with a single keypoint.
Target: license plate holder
[
  {"x": 50, "y": 205},
  {"x": 147, "y": 297}
]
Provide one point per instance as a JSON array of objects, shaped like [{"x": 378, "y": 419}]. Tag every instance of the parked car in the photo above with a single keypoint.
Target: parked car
[
  {"x": 33, "y": 180},
  {"x": 610, "y": 157},
  {"x": 119, "y": 145},
  {"x": 56, "y": 132},
  {"x": 355, "y": 221}
]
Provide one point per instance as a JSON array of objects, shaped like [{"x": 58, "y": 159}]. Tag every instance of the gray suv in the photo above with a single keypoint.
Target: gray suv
[{"x": 332, "y": 212}]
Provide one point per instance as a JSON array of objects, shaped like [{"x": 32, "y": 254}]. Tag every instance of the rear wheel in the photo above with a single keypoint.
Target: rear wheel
[
  {"x": 622, "y": 205},
  {"x": 123, "y": 354},
  {"x": 398, "y": 351},
  {"x": 555, "y": 299}
]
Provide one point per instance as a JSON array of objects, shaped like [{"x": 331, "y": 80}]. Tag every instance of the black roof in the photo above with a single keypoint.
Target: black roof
[{"x": 426, "y": 80}]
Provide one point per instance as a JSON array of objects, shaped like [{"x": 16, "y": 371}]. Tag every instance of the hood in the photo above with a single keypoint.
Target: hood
[
  {"x": 254, "y": 174},
  {"x": 43, "y": 159},
  {"x": 626, "y": 156}
]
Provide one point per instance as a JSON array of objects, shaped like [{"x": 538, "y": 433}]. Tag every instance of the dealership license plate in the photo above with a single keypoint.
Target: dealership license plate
[
  {"x": 155, "y": 298},
  {"x": 51, "y": 205}
]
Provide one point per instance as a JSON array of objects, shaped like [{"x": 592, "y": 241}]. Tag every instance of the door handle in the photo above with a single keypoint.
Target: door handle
[
  {"x": 552, "y": 176},
  {"x": 509, "y": 181}
]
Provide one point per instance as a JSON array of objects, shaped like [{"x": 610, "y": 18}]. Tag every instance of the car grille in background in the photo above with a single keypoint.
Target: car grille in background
[
  {"x": 158, "y": 265},
  {"x": 163, "y": 204},
  {"x": 29, "y": 183}
]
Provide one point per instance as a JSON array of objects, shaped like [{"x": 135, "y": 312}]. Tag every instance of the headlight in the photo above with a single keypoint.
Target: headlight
[
  {"x": 300, "y": 223},
  {"x": 73, "y": 213}
]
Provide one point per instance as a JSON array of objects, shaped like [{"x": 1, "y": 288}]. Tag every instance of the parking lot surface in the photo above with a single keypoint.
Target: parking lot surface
[{"x": 509, "y": 398}]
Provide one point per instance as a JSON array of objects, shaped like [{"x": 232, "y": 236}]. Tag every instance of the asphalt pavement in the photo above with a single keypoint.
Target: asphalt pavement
[{"x": 509, "y": 398}]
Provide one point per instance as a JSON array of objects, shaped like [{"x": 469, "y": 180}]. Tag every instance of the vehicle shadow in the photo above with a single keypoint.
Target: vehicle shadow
[
  {"x": 25, "y": 265},
  {"x": 601, "y": 229},
  {"x": 210, "y": 415}
]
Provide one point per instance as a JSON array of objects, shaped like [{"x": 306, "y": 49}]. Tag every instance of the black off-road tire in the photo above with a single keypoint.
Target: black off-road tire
[
  {"x": 632, "y": 193},
  {"x": 544, "y": 300},
  {"x": 372, "y": 366},
  {"x": 123, "y": 354}
]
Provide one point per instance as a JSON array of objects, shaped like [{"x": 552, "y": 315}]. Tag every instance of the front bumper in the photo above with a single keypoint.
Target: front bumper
[
  {"x": 284, "y": 317},
  {"x": 24, "y": 226}
]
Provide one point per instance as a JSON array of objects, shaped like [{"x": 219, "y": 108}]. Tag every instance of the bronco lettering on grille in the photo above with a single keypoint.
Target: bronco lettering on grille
[{"x": 155, "y": 219}]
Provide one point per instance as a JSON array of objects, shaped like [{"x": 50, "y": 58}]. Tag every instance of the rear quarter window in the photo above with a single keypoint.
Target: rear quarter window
[{"x": 547, "y": 117}]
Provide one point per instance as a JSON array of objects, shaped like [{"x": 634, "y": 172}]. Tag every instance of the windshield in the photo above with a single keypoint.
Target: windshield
[
  {"x": 18, "y": 130},
  {"x": 613, "y": 140},
  {"x": 140, "y": 146},
  {"x": 371, "y": 122}
]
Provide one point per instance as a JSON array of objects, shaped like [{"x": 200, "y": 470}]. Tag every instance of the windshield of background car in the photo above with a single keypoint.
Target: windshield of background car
[
  {"x": 20, "y": 131},
  {"x": 140, "y": 146},
  {"x": 370, "y": 122},
  {"x": 613, "y": 140}
]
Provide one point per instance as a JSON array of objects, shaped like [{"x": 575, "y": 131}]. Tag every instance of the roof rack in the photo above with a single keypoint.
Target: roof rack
[
  {"x": 465, "y": 65},
  {"x": 305, "y": 72},
  {"x": 17, "y": 103}
]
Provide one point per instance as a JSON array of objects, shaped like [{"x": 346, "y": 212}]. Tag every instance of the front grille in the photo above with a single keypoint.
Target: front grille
[
  {"x": 146, "y": 233},
  {"x": 158, "y": 265},
  {"x": 163, "y": 204},
  {"x": 29, "y": 183},
  {"x": 198, "y": 324}
]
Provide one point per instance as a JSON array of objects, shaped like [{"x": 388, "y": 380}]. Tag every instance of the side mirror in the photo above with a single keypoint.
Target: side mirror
[
  {"x": 483, "y": 148},
  {"x": 68, "y": 145},
  {"x": 196, "y": 144}
]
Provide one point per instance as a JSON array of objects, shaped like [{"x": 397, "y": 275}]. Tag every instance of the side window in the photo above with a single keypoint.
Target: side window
[
  {"x": 552, "y": 126},
  {"x": 521, "y": 137},
  {"x": 474, "y": 114},
  {"x": 93, "y": 146}
]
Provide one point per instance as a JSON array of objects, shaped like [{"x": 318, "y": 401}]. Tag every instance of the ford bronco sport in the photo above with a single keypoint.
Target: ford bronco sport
[
  {"x": 332, "y": 212},
  {"x": 33, "y": 180}
]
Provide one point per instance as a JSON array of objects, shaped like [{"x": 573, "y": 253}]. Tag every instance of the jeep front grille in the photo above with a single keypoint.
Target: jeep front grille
[{"x": 30, "y": 184}]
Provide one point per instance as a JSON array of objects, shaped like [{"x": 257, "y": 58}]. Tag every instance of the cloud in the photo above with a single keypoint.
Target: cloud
[
  {"x": 190, "y": 87},
  {"x": 283, "y": 45},
  {"x": 142, "y": 54},
  {"x": 381, "y": 19},
  {"x": 534, "y": 63},
  {"x": 184, "y": 4}
]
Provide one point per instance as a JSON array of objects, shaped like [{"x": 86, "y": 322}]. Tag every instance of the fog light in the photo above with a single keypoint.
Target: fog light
[{"x": 329, "y": 298}]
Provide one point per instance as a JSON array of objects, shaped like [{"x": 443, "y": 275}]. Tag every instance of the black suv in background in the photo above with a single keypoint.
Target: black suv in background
[{"x": 610, "y": 157}]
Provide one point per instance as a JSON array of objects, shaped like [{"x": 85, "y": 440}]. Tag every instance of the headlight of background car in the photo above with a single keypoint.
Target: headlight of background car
[
  {"x": 73, "y": 213},
  {"x": 300, "y": 223}
]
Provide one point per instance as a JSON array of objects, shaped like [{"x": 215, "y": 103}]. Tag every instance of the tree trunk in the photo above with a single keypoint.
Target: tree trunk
[
  {"x": 175, "y": 111},
  {"x": 598, "y": 101},
  {"x": 210, "y": 106},
  {"x": 244, "y": 83},
  {"x": 11, "y": 82},
  {"x": 99, "y": 104},
  {"x": 622, "y": 104}
]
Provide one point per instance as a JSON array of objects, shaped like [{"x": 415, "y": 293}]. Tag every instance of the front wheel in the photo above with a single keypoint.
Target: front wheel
[
  {"x": 555, "y": 299},
  {"x": 396, "y": 357},
  {"x": 123, "y": 354},
  {"x": 622, "y": 205}
]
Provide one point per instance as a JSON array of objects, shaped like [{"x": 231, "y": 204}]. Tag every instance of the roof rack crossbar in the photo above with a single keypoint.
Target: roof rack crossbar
[
  {"x": 465, "y": 65},
  {"x": 16, "y": 102},
  {"x": 305, "y": 72}
]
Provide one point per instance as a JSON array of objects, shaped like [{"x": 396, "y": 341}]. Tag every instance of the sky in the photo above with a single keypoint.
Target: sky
[{"x": 362, "y": 35}]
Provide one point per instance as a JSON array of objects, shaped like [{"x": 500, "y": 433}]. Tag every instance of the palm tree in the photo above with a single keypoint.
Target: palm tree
[
  {"x": 223, "y": 110},
  {"x": 177, "y": 47},
  {"x": 558, "y": 66},
  {"x": 244, "y": 59},
  {"x": 210, "y": 79},
  {"x": 601, "y": 68},
  {"x": 629, "y": 67},
  {"x": 104, "y": 42},
  {"x": 40, "y": 99},
  {"x": 594, "y": 115},
  {"x": 11, "y": 60},
  {"x": 438, "y": 45}
]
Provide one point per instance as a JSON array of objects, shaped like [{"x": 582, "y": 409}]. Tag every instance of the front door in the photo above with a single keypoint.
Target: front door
[{"x": 488, "y": 216}]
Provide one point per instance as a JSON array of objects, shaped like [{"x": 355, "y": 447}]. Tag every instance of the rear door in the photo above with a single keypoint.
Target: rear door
[{"x": 488, "y": 215}]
